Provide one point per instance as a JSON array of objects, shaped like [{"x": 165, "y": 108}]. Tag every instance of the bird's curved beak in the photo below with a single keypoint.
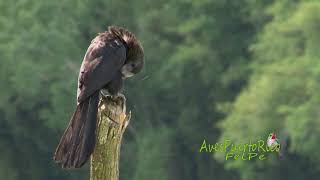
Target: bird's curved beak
[{"x": 126, "y": 73}]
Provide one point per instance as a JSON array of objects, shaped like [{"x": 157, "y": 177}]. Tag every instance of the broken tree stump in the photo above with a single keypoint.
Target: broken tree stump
[{"x": 111, "y": 124}]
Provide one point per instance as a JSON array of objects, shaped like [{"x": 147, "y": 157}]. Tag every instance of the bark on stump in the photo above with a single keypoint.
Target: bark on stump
[{"x": 111, "y": 124}]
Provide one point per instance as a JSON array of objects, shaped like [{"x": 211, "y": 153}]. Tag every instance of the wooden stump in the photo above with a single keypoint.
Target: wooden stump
[{"x": 111, "y": 124}]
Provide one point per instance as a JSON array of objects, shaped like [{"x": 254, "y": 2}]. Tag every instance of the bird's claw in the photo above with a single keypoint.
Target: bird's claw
[
  {"x": 120, "y": 95},
  {"x": 116, "y": 97}
]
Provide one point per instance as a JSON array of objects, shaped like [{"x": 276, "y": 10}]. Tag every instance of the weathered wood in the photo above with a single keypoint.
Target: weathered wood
[{"x": 112, "y": 122}]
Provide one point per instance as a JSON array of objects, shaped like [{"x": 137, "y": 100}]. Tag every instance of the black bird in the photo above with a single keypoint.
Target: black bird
[{"x": 112, "y": 56}]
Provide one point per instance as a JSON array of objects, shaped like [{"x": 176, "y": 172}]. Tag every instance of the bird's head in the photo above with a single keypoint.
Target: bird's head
[
  {"x": 272, "y": 136},
  {"x": 134, "y": 62},
  {"x": 135, "y": 55}
]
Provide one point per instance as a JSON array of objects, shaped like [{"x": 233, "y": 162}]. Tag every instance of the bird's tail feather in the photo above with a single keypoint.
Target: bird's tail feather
[{"x": 78, "y": 140}]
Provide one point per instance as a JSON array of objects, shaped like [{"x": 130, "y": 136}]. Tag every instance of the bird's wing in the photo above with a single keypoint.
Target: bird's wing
[{"x": 101, "y": 62}]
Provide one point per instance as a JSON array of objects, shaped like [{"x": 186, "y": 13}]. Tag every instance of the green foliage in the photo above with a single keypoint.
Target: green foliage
[
  {"x": 282, "y": 95},
  {"x": 214, "y": 69},
  {"x": 153, "y": 146}
]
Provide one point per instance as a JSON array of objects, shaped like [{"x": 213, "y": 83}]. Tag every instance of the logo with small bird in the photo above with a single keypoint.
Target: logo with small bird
[{"x": 272, "y": 140}]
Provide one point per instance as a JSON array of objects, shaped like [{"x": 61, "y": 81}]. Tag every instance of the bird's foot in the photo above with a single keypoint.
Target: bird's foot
[
  {"x": 119, "y": 97},
  {"x": 105, "y": 93}
]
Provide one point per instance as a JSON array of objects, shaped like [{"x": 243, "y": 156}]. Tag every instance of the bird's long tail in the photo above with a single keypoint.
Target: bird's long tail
[{"x": 78, "y": 140}]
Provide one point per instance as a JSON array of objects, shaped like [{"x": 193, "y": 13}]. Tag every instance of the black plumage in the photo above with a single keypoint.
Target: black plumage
[{"x": 111, "y": 57}]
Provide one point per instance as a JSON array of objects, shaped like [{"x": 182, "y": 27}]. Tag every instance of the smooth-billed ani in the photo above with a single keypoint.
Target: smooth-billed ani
[{"x": 112, "y": 56}]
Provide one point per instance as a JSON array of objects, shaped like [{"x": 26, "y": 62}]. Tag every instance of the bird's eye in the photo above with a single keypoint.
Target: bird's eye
[{"x": 133, "y": 65}]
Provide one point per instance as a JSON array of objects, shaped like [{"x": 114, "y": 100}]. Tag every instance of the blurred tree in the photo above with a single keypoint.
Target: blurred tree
[
  {"x": 282, "y": 94},
  {"x": 197, "y": 56},
  {"x": 39, "y": 60}
]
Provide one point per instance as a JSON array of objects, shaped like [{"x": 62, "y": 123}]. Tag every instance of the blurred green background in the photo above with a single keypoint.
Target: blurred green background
[{"x": 215, "y": 69}]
